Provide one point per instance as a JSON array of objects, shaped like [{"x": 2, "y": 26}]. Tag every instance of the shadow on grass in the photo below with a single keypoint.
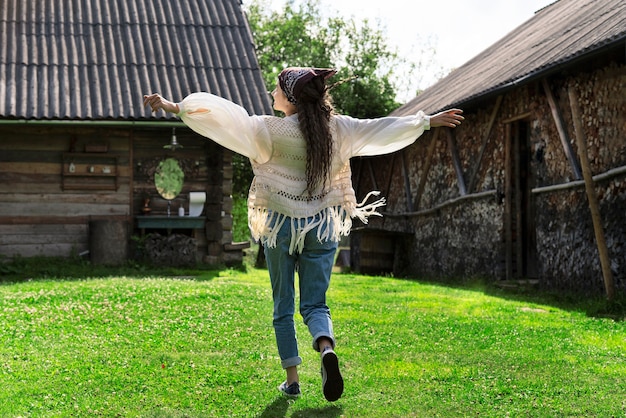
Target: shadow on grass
[
  {"x": 278, "y": 409},
  {"x": 331, "y": 411},
  {"x": 19, "y": 269},
  {"x": 594, "y": 304}
]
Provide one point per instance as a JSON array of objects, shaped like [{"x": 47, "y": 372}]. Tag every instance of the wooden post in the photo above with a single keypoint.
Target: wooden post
[
  {"x": 592, "y": 198},
  {"x": 508, "y": 190},
  {"x": 108, "y": 242},
  {"x": 519, "y": 268}
]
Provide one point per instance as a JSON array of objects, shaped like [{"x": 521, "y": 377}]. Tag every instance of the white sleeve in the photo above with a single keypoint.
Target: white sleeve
[
  {"x": 228, "y": 124},
  {"x": 363, "y": 137}
]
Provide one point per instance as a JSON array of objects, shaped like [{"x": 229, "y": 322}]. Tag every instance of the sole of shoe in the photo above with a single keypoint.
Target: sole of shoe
[{"x": 332, "y": 383}]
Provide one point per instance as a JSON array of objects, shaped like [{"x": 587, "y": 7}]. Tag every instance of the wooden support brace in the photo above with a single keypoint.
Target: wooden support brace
[
  {"x": 607, "y": 274},
  {"x": 478, "y": 162},
  {"x": 391, "y": 166},
  {"x": 429, "y": 158},
  {"x": 407, "y": 183},
  {"x": 517, "y": 176},
  {"x": 456, "y": 161},
  {"x": 372, "y": 176},
  {"x": 508, "y": 191},
  {"x": 357, "y": 166},
  {"x": 560, "y": 126}
]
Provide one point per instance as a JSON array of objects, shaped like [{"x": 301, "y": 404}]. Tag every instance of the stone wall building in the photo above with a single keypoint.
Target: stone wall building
[{"x": 504, "y": 196}]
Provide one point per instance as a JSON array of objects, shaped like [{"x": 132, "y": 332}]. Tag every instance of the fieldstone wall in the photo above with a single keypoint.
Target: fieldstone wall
[
  {"x": 566, "y": 244},
  {"x": 462, "y": 236},
  {"x": 466, "y": 246}
]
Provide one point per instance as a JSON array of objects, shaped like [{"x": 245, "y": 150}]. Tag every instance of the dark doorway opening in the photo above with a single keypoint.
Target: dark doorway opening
[{"x": 519, "y": 216}]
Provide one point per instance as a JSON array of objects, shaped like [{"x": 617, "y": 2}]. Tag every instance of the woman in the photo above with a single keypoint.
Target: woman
[{"x": 301, "y": 200}]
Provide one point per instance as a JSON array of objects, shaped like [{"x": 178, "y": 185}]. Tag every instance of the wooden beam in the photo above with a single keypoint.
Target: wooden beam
[
  {"x": 131, "y": 180},
  {"x": 607, "y": 175},
  {"x": 456, "y": 161},
  {"x": 560, "y": 126},
  {"x": 521, "y": 116},
  {"x": 474, "y": 171},
  {"x": 508, "y": 230},
  {"x": 372, "y": 176},
  {"x": 59, "y": 220},
  {"x": 407, "y": 183},
  {"x": 356, "y": 178},
  {"x": 391, "y": 166},
  {"x": 492, "y": 194},
  {"x": 519, "y": 233},
  {"x": 607, "y": 274},
  {"x": 429, "y": 158}
]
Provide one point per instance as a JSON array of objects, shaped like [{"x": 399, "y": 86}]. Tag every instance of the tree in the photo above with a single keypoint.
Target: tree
[{"x": 299, "y": 35}]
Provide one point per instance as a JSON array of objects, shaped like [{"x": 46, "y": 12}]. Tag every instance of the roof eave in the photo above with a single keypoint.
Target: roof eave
[{"x": 536, "y": 74}]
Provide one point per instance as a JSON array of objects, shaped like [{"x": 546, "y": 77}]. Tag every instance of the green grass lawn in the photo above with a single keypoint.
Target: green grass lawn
[{"x": 202, "y": 345}]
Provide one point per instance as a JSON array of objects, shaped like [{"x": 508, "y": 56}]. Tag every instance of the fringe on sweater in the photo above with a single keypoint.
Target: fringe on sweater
[{"x": 331, "y": 224}]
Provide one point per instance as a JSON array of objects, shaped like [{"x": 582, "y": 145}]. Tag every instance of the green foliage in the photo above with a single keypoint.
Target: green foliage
[
  {"x": 301, "y": 36},
  {"x": 200, "y": 344},
  {"x": 169, "y": 178},
  {"x": 242, "y": 175},
  {"x": 241, "y": 232},
  {"x": 292, "y": 37}
]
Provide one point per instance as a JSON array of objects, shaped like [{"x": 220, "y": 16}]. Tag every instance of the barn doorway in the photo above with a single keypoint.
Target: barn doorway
[{"x": 519, "y": 216}]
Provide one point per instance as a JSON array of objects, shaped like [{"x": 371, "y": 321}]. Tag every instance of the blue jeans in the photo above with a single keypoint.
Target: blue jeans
[{"x": 314, "y": 265}]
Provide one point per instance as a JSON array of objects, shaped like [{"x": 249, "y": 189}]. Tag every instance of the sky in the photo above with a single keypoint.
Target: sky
[{"x": 457, "y": 30}]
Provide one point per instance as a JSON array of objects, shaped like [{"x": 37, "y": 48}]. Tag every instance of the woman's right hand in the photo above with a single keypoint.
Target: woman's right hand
[
  {"x": 450, "y": 118},
  {"x": 156, "y": 102}
]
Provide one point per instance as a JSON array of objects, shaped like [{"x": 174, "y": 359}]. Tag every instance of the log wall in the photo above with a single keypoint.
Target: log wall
[
  {"x": 38, "y": 217},
  {"x": 46, "y": 211}
]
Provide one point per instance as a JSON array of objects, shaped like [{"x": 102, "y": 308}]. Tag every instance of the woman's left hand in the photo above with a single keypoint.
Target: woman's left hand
[{"x": 450, "y": 118}]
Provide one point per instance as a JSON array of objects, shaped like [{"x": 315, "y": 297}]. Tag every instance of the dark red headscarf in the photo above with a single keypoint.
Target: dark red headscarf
[{"x": 292, "y": 79}]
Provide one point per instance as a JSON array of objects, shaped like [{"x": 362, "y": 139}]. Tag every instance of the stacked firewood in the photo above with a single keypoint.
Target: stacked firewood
[{"x": 170, "y": 250}]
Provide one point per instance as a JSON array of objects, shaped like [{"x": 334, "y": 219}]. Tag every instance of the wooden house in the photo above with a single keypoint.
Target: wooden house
[
  {"x": 505, "y": 195},
  {"x": 79, "y": 152}
]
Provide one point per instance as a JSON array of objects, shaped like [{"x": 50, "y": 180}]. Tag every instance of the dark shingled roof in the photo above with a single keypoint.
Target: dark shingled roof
[
  {"x": 556, "y": 35},
  {"x": 94, "y": 59}
]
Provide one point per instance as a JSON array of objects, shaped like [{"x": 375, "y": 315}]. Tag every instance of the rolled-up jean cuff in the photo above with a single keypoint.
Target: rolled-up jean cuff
[
  {"x": 290, "y": 362},
  {"x": 319, "y": 335}
]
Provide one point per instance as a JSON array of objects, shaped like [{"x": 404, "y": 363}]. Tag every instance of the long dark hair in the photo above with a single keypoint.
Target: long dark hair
[{"x": 315, "y": 108}]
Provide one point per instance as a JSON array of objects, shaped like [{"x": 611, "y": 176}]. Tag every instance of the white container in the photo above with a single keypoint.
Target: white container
[{"x": 196, "y": 203}]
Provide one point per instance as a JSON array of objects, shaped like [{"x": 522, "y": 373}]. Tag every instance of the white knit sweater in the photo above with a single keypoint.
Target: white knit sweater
[{"x": 277, "y": 151}]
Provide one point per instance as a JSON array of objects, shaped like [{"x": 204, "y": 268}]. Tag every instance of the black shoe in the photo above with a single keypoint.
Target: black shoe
[
  {"x": 293, "y": 390},
  {"x": 332, "y": 382}
]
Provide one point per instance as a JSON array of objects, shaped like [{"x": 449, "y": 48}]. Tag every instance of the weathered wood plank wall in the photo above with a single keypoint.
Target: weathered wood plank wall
[{"x": 39, "y": 217}]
